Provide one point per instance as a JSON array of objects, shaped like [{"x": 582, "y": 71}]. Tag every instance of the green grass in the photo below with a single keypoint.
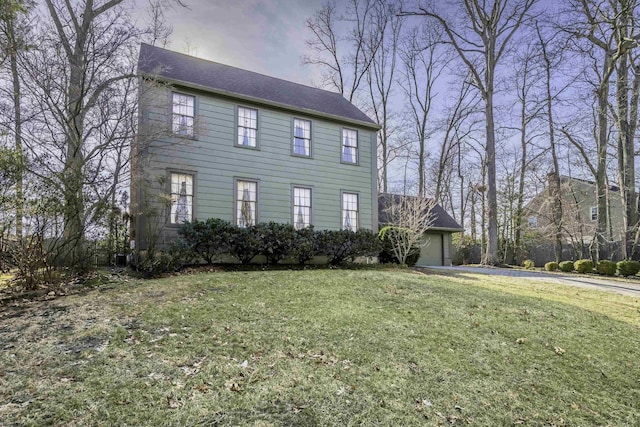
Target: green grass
[{"x": 323, "y": 348}]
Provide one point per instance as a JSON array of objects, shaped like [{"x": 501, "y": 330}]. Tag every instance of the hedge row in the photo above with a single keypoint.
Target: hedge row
[
  {"x": 211, "y": 240},
  {"x": 603, "y": 267}
]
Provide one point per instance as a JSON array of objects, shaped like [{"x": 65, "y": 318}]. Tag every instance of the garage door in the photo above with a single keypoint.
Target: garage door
[{"x": 431, "y": 254}]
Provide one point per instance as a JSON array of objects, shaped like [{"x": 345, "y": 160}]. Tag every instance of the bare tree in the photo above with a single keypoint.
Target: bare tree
[
  {"x": 626, "y": 117},
  {"x": 13, "y": 29},
  {"x": 481, "y": 45},
  {"x": 549, "y": 61},
  {"x": 422, "y": 65},
  {"x": 159, "y": 31},
  {"x": 344, "y": 71},
  {"x": 458, "y": 123},
  {"x": 381, "y": 81},
  {"x": 408, "y": 218},
  {"x": 604, "y": 27},
  {"x": 82, "y": 90}
]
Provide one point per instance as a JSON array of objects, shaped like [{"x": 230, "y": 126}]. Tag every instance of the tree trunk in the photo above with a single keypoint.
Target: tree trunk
[
  {"x": 555, "y": 182},
  {"x": 491, "y": 255},
  {"x": 601, "y": 251},
  {"x": 13, "y": 63}
]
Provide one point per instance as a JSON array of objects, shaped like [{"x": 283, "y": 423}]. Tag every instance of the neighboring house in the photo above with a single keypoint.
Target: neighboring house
[
  {"x": 579, "y": 210},
  {"x": 438, "y": 249},
  {"x": 222, "y": 142}
]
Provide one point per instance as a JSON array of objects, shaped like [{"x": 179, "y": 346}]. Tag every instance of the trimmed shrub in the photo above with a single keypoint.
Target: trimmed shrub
[
  {"x": 529, "y": 264},
  {"x": 566, "y": 266},
  {"x": 276, "y": 240},
  {"x": 627, "y": 268},
  {"x": 606, "y": 267},
  {"x": 244, "y": 244},
  {"x": 209, "y": 239},
  {"x": 583, "y": 266},
  {"x": 304, "y": 245},
  {"x": 345, "y": 245},
  {"x": 551, "y": 266}
]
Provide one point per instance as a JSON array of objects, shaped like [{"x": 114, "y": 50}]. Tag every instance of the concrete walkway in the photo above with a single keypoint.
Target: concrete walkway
[{"x": 623, "y": 287}]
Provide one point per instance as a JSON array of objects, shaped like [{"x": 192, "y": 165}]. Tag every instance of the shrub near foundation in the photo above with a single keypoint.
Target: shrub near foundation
[
  {"x": 583, "y": 266},
  {"x": 529, "y": 264},
  {"x": 627, "y": 268},
  {"x": 566, "y": 266},
  {"x": 606, "y": 267},
  {"x": 551, "y": 266}
]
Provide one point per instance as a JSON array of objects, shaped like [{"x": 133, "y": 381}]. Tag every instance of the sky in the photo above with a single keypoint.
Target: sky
[{"x": 265, "y": 36}]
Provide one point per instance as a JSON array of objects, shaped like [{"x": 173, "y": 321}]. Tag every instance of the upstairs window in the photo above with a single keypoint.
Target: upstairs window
[
  {"x": 349, "y": 146},
  {"x": 301, "y": 137},
  {"x": 246, "y": 203},
  {"x": 181, "y": 198},
  {"x": 350, "y": 211},
  {"x": 301, "y": 207},
  {"x": 533, "y": 222},
  {"x": 594, "y": 213},
  {"x": 247, "y": 127},
  {"x": 183, "y": 114}
]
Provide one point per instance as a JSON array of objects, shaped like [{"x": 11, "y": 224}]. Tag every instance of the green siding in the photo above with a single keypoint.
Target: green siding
[{"x": 213, "y": 156}]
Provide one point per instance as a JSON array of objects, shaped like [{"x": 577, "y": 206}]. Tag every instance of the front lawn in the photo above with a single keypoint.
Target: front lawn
[{"x": 322, "y": 347}]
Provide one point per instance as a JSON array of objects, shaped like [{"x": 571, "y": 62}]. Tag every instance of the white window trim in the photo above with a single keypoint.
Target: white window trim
[
  {"x": 357, "y": 146},
  {"x": 257, "y": 128},
  {"x": 236, "y": 218},
  {"x": 293, "y": 138},
  {"x": 342, "y": 208},
  {"x": 293, "y": 203},
  {"x": 193, "y": 126},
  {"x": 193, "y": 175}
]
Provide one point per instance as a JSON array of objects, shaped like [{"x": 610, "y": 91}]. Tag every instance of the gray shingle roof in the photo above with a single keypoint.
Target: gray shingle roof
[
  {"x": 442, "y": 220},
  {"x": 189, "y": 70}
]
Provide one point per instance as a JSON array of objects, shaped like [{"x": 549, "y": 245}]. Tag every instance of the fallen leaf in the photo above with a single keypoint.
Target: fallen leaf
[
  {"x": 521, "y": 340},
  {"x": 172, "y": 402},
  {"x": 232, "y": 386},
  {"x": 559, "y": 350}
]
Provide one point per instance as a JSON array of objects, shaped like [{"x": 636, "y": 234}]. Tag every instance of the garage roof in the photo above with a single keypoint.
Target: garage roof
[{"x": 442, "y": 220}]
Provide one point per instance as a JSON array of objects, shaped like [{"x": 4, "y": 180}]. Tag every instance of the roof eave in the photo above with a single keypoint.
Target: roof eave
[
  {"x": 451, "y": 229},
  {"x": 369, "y": 125}
]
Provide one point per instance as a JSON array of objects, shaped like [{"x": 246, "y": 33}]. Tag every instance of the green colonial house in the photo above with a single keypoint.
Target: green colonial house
[{"x": 221, "y": 142}]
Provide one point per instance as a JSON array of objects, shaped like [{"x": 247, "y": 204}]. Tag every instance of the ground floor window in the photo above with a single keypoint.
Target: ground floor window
[
  {"x": 301, "y": 207},
  {"x": 350, "y": 211},
  {"x": 246, "y": 203},
  {"x": 181, "y": 198}
]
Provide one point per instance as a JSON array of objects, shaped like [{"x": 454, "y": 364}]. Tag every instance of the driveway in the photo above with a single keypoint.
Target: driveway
[{"x": 608, "y": 285}]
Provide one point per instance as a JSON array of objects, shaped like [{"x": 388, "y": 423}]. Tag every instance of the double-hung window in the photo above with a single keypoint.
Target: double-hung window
[
  {"x": 350, "y": 211},
  {"x": 594, "y": 213},
  {"x": 301, "y": 137},
  {"x": 183, "y": 114},
  {"x": 246, "y": 203},
  {"x": 349, "y": 146},
  {"x": 247, "y": 127},
  {"x": 181, "y": 198},
  {"x": 301, "y": 207}
]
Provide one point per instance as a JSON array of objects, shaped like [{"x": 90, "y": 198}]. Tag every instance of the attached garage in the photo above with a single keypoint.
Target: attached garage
[{"x": 439, "y": 248}]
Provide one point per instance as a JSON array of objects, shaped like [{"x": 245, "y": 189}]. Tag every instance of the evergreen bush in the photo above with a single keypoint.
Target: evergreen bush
[
  {"x": 566, "y": 266},
  {"x": 606, "y": 267},
  {"x": 627, "y": 268},
  {"x": 551, "y": 266},
  {"x": 583, "y": 266}
]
